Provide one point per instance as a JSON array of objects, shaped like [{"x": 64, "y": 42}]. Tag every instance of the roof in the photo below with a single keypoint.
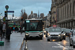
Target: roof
[{"x": 33, "y": 19}]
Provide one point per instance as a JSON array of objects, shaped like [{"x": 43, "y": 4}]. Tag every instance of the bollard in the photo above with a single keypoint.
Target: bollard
[{"x": 26, "y": 45}]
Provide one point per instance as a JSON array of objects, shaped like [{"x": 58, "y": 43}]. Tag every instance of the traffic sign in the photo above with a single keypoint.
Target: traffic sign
[
  {"x": 10, "y": 11},
  {"x": 6, "y": 7},
  {"x": 54, "y": 25}
]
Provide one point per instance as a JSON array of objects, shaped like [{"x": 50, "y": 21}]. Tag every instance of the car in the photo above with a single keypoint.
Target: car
[
  {"x": 54, "y": 33},
  {"x": 63, "y": 33},
  {"x": 68, "y": 32},
  {"x": 72, "y": 39}
]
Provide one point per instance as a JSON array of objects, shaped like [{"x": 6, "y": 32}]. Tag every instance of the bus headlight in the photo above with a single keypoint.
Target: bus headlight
[
  {"x": 41, "y": 33},
  {"x": 27, "y": 34}
]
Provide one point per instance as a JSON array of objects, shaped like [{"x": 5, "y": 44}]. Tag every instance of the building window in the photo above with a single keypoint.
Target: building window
[
  {"x": 70, "y": 9},
  {"x": 73, "y": 8},
  {"x": 67, "y": 11}
]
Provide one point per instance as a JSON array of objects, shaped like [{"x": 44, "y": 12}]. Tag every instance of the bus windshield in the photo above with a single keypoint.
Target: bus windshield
[{"x": 34, "y": 26}]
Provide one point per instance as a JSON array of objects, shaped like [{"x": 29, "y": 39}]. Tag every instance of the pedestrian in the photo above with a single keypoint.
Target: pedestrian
[
  {"x": 4, "y": 29},
  {"x": 8, "y": 33},
  {"x": 16, "y": 28},
  {"x": 1, "y": 31}
]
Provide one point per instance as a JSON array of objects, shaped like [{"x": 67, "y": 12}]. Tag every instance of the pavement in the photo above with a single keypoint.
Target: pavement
[
  {"x": 16, "y": 40},
  {"x": 37, "y": 44}
]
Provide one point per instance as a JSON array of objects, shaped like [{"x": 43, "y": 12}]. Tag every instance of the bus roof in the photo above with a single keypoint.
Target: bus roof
[{"x": 33, "y": 19}]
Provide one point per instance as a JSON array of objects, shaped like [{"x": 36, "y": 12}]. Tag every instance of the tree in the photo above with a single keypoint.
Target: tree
[{"x": 23, "y": 14}]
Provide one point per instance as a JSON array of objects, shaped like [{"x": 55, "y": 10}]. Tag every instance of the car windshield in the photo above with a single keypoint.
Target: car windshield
[
  {"x": 55, "y": 30},
  {"x": 68, "y": 30}
]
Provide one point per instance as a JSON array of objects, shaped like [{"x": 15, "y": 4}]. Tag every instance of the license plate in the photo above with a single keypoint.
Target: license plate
[{"x": 53, "y": 40}]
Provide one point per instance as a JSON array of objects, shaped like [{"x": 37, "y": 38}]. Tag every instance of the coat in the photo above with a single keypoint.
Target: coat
[{"x": 8, "y": 31}]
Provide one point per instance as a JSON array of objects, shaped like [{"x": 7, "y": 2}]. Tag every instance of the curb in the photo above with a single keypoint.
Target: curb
[{"x": 21, "y": 44}]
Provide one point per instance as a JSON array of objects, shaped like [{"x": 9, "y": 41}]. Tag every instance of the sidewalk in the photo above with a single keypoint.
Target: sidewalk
[{"x": 15, "y": 42}]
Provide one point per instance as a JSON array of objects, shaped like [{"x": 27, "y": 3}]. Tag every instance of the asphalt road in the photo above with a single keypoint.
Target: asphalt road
[{"x": 45, "y": 45}]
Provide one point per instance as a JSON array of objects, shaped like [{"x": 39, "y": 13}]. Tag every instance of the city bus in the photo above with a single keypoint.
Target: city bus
[{"x": 33, "y": 28}]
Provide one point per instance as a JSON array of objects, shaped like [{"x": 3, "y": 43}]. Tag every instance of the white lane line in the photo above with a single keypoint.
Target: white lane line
[{"x": 61, "y": 46}]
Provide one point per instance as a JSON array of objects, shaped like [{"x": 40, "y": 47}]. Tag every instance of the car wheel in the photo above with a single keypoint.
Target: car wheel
[
  {"x": 70, "y": 44},
  {"x": 27, "y": 38},
  {"x": 64, "y": 38},
  {"x": 60, "y": 39},
  {"x": 73, "y": 46},
  {"x": 41, "y": 38},
  {"x": 48, "y": 39},
  {"x": 46, "y": 35}
]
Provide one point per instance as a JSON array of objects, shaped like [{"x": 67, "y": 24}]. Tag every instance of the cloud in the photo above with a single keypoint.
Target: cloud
[
  {"x": 28, "y": 5},
  {"x": 10, "y": 17}
]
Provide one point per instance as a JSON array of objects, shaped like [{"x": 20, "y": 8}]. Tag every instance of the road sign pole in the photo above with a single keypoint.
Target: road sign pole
[{"x": 6, "y": 7}]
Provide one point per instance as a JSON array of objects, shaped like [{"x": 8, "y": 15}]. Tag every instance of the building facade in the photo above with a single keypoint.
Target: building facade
[
  {"x": 41, "y": 15},
  {"x": 54, "y": 12},
  {"x": 66, "y": 11},
  {"x": 48, "y": 20}
]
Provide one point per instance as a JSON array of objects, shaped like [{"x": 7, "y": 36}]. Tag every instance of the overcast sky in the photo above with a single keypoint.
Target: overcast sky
[{"x": 43, "y": 6}]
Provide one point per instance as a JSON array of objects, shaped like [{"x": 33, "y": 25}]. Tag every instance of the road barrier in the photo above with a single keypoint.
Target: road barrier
[{"x": 26, "y": 48}]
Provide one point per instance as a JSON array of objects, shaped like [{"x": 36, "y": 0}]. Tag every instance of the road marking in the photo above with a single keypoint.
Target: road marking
[
  {"x": 64, "y": 47},
  {"x": 61, "y": 46}
]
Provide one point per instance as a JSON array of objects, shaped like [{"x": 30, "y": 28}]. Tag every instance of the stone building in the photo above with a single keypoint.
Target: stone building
[
  {"x": 32, "y": 15},
  {"x": 48, "y": 20},
  {"x": 66, "y": 13},
  {"x": 54, "y": 12},
  {"x": 41, "y": 15}
]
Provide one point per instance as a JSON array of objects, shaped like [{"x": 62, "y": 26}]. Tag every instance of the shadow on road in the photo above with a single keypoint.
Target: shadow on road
[{"x": 33, "y": 38}]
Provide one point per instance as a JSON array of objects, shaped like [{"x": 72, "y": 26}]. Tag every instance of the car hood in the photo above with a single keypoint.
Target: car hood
[
  {"x": 73, "y": 36},
  {"x": 54, "y": 33}
]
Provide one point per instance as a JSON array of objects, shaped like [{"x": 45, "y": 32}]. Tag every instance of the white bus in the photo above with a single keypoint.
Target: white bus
[{"x": 34, "y": 28}]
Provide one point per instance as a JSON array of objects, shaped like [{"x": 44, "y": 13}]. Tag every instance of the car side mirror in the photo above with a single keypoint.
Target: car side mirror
[{"x": 62, "y": 32}]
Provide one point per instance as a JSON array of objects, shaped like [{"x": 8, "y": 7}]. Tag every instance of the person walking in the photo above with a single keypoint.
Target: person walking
[
  {"x": 4, "y": 29},
  {"x": 1, "y": 32},
  {"x": 8, "y": 33}
]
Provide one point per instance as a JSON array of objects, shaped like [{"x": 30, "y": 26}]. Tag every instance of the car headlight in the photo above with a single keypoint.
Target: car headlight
[
  {"x": 40, "y": 33},
  {"x": 58, "y": 35},
  {"x": 63, "y": 34},
  {"x": 48, "y": 34},
  {"x": 27, "y": 34}
]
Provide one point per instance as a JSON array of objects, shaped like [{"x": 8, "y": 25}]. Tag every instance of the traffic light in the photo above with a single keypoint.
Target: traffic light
[
  {"x": 21, "y": 18},
  {"x": 5, "y": 13}
]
